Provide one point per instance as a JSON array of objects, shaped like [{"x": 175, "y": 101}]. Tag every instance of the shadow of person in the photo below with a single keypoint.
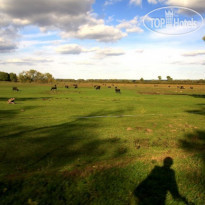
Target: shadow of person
[{"x": 154, "y": 188}]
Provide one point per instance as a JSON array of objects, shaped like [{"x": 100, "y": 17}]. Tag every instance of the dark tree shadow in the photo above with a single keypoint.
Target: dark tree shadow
[
  {"x": 71, "y": 143},
  {"x": 153, "y": 190},
  {"x": 200, "y": 111},
  {"x": 195, "y": 142},
  {"x": 4, "y": 99},
  {"x": 198, "y": 95}
]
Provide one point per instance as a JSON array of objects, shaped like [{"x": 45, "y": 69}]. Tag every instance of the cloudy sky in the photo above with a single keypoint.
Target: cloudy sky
[{"x": 100, "y": 39}]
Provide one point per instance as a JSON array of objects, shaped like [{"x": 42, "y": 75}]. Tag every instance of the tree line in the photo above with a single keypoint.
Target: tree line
[
  {"x": 27, "y": 77},
  {"x": 8, "y": 77}
]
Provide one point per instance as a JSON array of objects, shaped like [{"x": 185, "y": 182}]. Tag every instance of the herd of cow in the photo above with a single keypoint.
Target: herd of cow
[
  {"x": 180, "y": 87},
  {"x": 97, "y": 87}
]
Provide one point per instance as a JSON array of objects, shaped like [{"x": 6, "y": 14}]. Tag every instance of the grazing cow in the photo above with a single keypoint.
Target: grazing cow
[
  {"x": 192, "y": 88},
  {"x": 117, "y": 90},
  {"x": 98, "y": 87},
  {"x": 76, "y": 86},
  {"x": 169, "y": 86},
  {"x": 66, "y": 86},
  {"x": 109, "y": 86},
  {"x": 15, "y": 88},
  {"x": 182, "y": 87},
  {"x": 54, "y": 87}
]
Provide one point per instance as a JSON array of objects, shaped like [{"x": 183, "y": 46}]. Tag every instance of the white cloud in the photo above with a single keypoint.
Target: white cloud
[
  {"x": 70, "y": 49},
  {"x": 74, "y": 49},
  {"x": 8, "y": 36},
  {"x": 198, "y": 5},
  {"x": 110, "y": 52},
  {"x": 100, "y": 52},
  {"x": 132, "y": 26},
  {"x": 25, "y": 61},
  {"x": 99, "y": 32},
  {"x": 194, "y": 53},
  {"x": 134, "y": 30},
  {"x": 152, "y": 1},
  {"x": 139, "y": 51},
  {"x": 72, "y": 17},
  {"x": 6, "y": 46},
  {"x": 111, "y": 2},
  {"x": 136, "y": 2}
]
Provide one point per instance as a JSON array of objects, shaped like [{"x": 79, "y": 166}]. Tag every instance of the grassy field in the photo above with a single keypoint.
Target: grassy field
[{"x": 87, "y": 146}]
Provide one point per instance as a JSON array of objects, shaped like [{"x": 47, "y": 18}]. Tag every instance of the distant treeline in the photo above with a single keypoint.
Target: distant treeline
[
  {"x": 27, "y": 77},
  {"x": 124, "y": 81},
  {"x": 8, "y": 77},
  {"x": 35, "y": 76}
]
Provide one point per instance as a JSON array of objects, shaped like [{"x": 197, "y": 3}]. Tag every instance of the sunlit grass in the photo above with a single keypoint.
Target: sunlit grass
[{"x": 49, "y": 154}]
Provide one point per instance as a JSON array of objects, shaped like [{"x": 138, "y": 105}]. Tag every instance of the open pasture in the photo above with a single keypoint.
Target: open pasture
[{"x": 88, "y": 146}]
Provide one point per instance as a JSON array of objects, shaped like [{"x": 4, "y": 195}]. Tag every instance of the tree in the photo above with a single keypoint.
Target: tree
[
  {"x": 4, "y": 76},
  {"x": 204, "y": 38},
  {"x": 13, "y": 77},
  {"x": 35, "y": 76},
  {"x": 160, "y": 77},
  {"x": 141, "y": 79},
  {"x": 169, "y": 78},
  {"x": 48, "y": 78}
]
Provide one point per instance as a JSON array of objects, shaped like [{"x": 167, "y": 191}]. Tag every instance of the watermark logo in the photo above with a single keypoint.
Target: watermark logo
[{"x": 173, "y": 20}]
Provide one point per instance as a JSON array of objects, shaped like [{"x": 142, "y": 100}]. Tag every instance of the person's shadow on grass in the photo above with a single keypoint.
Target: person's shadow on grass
[{"x": 153, "y": 190}]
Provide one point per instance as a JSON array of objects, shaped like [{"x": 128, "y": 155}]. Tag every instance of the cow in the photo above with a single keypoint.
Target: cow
[
  {"x": 182, "y": 87},
  {"x": 75, "y": 86},
  {"x": 109, "y": 86},
  {"x": 54, "y": 87},
  {"x": 15, "y": 89},
  {"x": 97, "y": 87},
  {"x": 169, "y": 86},
  {"x": 192, "y": 88},
  {"x": 117, "y": 90},
  {"x": 66, "y": 86}
]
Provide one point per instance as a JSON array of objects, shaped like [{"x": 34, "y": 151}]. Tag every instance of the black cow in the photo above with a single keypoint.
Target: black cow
[
  {"x": 15, "y": 89},
  {"x": 97, "y": 87},
  {"x": 117, "y": 90},
  {"x": 109, "y": 86},
  {"x": 54, "y": 87},
  {"x": 182, "y": 87},
  {"x": 66, "y": 86},
  {"x": 75, "y": 86}
]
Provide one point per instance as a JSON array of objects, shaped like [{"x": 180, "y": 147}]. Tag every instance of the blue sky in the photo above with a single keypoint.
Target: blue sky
[{"x": 98, "y": 39}]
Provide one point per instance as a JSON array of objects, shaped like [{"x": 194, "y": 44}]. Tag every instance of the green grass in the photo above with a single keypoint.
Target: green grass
[{"x": 49, "y": 154}]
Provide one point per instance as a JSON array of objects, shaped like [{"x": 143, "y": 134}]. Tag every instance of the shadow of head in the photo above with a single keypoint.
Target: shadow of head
[{"x": 168, "y": 161}]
